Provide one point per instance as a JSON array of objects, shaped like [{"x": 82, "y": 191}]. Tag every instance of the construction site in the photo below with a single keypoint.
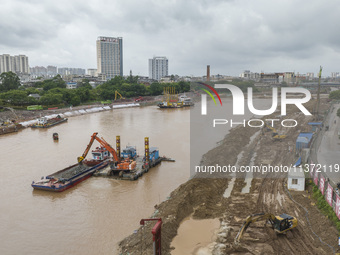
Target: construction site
[
  {"x": 244, "y": 205},
  {"x": 246, "y": 214}
]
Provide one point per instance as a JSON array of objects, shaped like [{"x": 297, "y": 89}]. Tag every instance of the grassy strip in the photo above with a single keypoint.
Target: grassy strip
[{"x": 324, "y": 207}]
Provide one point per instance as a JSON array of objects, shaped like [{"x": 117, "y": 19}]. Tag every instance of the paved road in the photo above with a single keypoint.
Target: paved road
[{"x": 329, "y": 149}]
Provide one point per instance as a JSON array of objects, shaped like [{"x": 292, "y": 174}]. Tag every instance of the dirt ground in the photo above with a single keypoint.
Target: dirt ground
[{"x": 203, "y": 197}]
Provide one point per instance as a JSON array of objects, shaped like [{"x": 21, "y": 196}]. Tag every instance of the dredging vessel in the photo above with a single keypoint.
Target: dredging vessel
[
  {"x": 105, "y": 162},
  {"x": 172, "y": 100},
  {"x": 43, "y": 122},
  {"x": 135, "y": 166}
]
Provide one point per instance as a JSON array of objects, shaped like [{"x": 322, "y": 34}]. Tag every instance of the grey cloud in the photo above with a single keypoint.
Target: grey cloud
[{"x": 228, "y": 35}]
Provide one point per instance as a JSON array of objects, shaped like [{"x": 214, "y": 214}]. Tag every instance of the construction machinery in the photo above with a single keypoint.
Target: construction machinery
[
  {"x": 8, "y": 121},
  {"x": 9, "y": 125},
  {"x": 275, "y": 135},
  {"x": 118, "y": 94},
  {"x": 126, "y": 164},
  {"x": 280, "y": 223},
  {"x": 139, "y": 99},
  {"x": 12, "y": 110}
]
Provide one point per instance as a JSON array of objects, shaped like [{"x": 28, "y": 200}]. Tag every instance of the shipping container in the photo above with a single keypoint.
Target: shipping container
[
  {"x": 154, "y": 153},
  {"x": 303, "y": 140}
]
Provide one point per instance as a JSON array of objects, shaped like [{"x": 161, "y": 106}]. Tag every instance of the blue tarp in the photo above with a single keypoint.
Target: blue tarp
[
  {"x": 298, "y": 162},
  {"x": 315, "y": 125},
  {"x": 303, "y": 140}
]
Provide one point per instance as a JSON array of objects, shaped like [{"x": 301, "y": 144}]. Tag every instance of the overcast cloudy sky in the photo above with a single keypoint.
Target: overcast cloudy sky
[{"x": 230, "y": 36}]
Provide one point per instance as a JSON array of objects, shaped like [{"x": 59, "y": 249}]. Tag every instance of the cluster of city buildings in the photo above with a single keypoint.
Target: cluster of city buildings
[
  {"x": 109, "y": 64},
  {"x": 109, "y": 55},
  {"x": 16, "y": 64},
  {"x": 51, "y": 71},
  {"x": 287, "y": 77},
  {"x": 110, "y": 60}
]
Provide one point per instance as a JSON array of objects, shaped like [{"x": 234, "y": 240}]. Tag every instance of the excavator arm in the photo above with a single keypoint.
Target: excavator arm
[
  {"x": 82, "y": 157},
  {"x": 108, "y": 147},
  {"x": 103, "y": 143},
  {"x": 251, "y": 219},
  {"x": 117, "y": 93},
  {"x": 275, "y": 134},
  {"x": 280, "y": 223},
  {"x": 12, "y": 110}
]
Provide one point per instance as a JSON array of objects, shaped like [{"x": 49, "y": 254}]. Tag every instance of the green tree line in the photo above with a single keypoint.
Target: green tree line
[{"x": 53, "y": 91}]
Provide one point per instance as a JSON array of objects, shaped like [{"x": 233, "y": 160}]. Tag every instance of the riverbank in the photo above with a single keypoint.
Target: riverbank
[
  {"x": 25, "y": 115},
  {"x": 205, "y": 198}
]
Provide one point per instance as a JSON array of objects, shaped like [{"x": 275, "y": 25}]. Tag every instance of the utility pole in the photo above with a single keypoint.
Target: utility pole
[{"x": 318, "y": 95}]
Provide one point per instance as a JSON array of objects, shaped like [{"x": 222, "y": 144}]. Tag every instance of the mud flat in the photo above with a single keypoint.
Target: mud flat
[
  {"x": 195, "y": 236},
  {"x": 203, "y": 199}
]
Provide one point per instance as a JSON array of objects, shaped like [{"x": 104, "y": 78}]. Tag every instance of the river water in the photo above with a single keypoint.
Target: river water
[{"x": 93, "y": 216}]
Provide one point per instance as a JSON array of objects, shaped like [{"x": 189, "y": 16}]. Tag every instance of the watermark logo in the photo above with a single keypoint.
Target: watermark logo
[
  {"x": 238, "y": 100},
  {"x": 204, "y": 97}
]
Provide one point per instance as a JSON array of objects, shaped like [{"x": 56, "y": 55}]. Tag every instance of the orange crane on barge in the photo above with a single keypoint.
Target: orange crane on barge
[{"x": 127, "y": 164}]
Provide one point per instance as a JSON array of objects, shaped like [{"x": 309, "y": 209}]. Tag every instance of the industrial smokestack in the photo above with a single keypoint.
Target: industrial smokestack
[{"x": 208, "y": 72}]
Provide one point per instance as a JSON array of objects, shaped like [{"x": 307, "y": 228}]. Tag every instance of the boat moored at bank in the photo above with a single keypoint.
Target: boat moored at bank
[{"x": 44, "y": 122}]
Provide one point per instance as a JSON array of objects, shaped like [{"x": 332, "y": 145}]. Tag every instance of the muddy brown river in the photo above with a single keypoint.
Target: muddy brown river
[{"x": 93, "y": 216}]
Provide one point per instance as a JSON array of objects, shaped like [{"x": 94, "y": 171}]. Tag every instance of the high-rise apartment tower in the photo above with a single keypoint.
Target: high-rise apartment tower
[
  {"x": 110, "y": 56},
  {"x": 158, "y": 68},
  {"x": 16, "y": 64}
]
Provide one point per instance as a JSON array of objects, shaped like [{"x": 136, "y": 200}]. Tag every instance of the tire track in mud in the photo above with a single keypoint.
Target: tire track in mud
[
  {"x": 204, "y": 198},
  {"x": 270, "y": 197},
  {"x": 293, "y": 241},
  {"x": 296, "y": 240}
]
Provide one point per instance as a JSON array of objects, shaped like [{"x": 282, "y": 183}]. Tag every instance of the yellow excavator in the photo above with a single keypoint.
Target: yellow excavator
[
  {"x": 275, "y": 134},
  {"x": 277, "y": 137},
  {"x": 118, "y": 94},
  {"x": 280, "y": 223}
]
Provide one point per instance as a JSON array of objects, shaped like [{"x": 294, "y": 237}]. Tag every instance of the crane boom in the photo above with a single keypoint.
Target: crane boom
[
  {"x": 108, "y": 147},
  {"x": 103, "y": 143}
]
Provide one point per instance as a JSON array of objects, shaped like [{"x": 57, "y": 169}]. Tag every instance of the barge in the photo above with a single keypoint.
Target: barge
[
  {"x": 43, "y": 122},
  {"x": 106, "y": 162},
  {"x": 6, "y": 128},
  {"x": 68, "y": 177}
]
